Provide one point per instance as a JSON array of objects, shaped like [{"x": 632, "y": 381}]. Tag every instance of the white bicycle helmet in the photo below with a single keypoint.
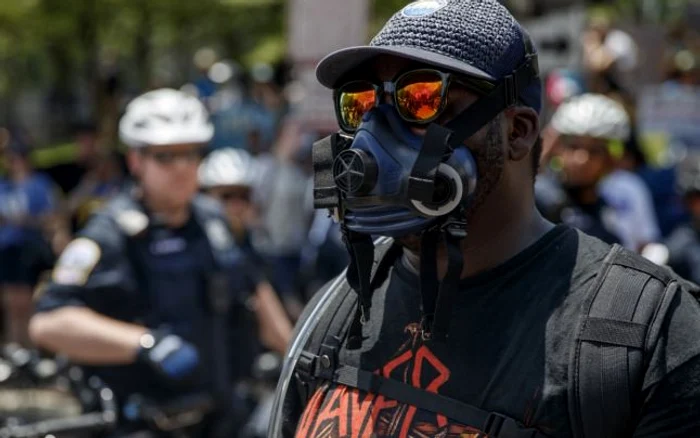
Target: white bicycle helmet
[
  {"x": 227, "y": 167},
  {"x": 164, "y": 117},
  {"x": 592, "y": 115}
]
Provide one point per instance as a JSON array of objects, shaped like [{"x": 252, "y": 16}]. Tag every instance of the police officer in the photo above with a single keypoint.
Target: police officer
[
  {"x": 608, "y": 202},
  {"x": 473, "y": 315},
  {"x": 683, "y": 244},
  {"x": 227, "y": 175},
  {"x": 148, "y": 297}
]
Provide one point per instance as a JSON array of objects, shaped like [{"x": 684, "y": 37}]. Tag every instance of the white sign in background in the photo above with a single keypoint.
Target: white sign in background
[
  {"x": 672, "y": 110},
  {"x": 557, "y": 37},
  {"x": 317, "y": 28}
]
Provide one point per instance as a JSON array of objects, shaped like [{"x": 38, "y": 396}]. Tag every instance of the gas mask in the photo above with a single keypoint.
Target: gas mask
[
  {"x": 386, "y": 180},
  {"x": 372, "y": 173}
]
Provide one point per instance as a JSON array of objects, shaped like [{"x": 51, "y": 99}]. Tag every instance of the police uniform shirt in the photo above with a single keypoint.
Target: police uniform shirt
[
  {"x": 508, "y": 351},
  {"x": 126, "y": 266}
]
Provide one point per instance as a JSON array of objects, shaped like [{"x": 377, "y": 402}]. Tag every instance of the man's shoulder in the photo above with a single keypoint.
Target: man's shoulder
[
  {"x": 595, "y": 255},
  {"x": 632, "y": 263},
  {"x": 613, "y": 274},
  {"x": 120, "y": 218}
]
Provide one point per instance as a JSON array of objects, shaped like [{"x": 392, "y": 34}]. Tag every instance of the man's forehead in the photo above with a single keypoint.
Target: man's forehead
[{"x": 387, "y": 67}]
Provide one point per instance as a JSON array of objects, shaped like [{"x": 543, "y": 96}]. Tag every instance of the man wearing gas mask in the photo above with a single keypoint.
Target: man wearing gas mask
[{"x": 471, "y": 315}]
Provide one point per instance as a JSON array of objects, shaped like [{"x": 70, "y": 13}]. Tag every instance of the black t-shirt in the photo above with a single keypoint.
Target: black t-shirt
[
  {"x": 511, "y": 333},
  {"x": 156, "y": 278}
]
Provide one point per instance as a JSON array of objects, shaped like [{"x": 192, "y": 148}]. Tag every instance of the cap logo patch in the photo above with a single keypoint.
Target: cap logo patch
[{"x": 423, "y": 8}]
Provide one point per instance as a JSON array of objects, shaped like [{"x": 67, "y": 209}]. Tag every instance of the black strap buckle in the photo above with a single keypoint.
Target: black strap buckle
[
  {"x": 327, "y": 360},
  {"x": 533, "y": 64},
  {"x": 421, "y": 182},
  {"x": 500, "y": 426},
  {"x": 306, "y": 365},
  {"x": 455, "y": 228},
  {"x": 493, "y": 425},
  {"x": 511, "y": 90},
  {"x": 426, "y": 327}
]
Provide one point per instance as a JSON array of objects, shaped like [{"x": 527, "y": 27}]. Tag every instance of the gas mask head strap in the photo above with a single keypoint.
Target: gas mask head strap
[
  {"x": 324, "y": 151},
  {"x": 440, "y": 139},
  {"x": 364, "y": 275}
]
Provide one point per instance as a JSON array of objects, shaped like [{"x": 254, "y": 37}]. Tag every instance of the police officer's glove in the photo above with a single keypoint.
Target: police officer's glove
[{"x": 171, "y": 357}]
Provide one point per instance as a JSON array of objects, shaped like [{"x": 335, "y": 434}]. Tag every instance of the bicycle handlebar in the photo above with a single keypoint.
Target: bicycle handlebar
[
  {"x": 93, "y": 421},
  {"x": 88, "y": 422},
  {"x": 173, "y": 415}
]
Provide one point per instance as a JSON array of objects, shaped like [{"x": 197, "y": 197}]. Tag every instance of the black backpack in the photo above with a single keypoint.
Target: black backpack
[{"x": 607, "y": 361}]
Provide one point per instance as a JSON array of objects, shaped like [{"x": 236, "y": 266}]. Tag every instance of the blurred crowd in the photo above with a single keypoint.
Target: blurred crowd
[
  {"x": 615, "y": 190},
  {"x": 632, "y": 182},
  {"x": 271, "y": 207}
]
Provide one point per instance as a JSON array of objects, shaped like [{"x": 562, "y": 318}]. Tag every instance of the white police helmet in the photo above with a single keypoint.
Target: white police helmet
[
  {"x": 164, "y": 117},
  {"x": 227, "y": 167},
  {"x": 592, "y": 115}
]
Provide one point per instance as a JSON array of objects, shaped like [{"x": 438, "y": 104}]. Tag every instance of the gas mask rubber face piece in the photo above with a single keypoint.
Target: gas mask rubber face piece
[{"x": 371, "y": 173}]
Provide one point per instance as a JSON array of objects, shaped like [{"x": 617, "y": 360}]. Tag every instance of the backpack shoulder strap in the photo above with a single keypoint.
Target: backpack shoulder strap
[
  {"x": 606, "y": 368},
  {"x": 333, "y": 324}
]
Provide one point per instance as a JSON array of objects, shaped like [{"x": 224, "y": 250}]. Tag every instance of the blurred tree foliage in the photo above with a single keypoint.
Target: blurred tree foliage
[
  {"x": 64, "y": 45},
  {"x": 646, "y": 11},
  {"x": 56, "y": 42},
  {"x": 69, "y": 47}
]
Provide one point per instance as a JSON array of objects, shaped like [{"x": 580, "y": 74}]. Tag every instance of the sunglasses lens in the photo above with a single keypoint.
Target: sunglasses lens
[
  {"x": 163, "y": 157},
  {"x": 354, "y": 100},
  {"x": 167, "y": 158},
  {"x": 419, "y": 95},
  {"x": 235, "y": 195}
]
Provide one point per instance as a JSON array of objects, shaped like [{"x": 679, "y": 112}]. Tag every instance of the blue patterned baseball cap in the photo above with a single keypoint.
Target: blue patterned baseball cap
[{"x": 477, "y": 38}]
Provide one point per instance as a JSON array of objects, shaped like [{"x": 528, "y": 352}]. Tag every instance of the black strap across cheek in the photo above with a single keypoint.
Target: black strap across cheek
[
  {"x": 421, "y": 182},
  {"x": 506, "y": 93},
  {"x": 440, "y": 139}
]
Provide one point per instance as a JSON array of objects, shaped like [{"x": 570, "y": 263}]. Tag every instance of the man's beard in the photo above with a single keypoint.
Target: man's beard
[{"x": 490, "y": 162}]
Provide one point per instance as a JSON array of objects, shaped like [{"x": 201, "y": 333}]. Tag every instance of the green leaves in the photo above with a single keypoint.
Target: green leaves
[{"x": 65, "y": 38}]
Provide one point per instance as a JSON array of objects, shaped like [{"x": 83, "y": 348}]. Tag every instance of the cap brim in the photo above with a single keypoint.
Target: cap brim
[{"x": 333, "y": 67}]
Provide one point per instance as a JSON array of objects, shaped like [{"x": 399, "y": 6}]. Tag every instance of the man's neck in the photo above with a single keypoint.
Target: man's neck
[
  {"x": 483, "y": 251},
  {"x": 501, "y": 244},
  {"x": 171, "y": 217}
]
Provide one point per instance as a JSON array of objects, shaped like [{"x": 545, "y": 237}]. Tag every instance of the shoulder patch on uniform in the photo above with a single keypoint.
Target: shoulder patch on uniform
[
  {"x": 132, "y": 222},
  {"x": 76, "y": 262},
  {"x": 218, "y": 235}
]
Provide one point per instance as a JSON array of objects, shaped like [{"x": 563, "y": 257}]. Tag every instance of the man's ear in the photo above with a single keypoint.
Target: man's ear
[{"x": 523, "y": 132}]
